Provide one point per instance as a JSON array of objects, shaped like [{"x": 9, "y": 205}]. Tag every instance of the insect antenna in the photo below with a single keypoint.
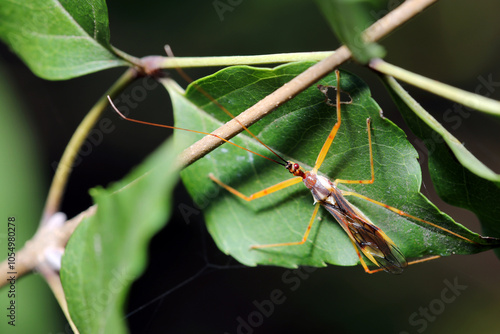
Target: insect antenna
[{"x": 195, "y": 131}]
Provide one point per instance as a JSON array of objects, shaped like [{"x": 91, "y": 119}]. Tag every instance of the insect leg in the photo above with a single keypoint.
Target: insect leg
[
  {"x": 264, "y": 192},
  {"x": 304, "y": 238}
]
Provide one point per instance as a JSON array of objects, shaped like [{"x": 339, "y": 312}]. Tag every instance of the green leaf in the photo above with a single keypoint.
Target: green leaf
[
  {"x": 59, "y": 39},
  {"x": 108, "y": 251},
  {"x": 297, "y": 130},
  {"x": 459, "y": 178},
  {"x": 348, "y": 19}
]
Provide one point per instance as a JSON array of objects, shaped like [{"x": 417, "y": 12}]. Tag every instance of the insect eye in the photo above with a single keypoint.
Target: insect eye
[{"x": 296, "y": 166}]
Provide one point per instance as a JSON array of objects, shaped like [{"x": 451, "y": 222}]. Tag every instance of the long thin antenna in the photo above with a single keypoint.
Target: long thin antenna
[
  {"x": 186, "y": 77},
  {"x": 195, "y": 131}
]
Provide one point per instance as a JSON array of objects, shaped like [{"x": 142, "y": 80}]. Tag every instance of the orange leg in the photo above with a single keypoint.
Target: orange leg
[
  {"x": 402, "y": 213},
  {"x": 331, "y": 136},
  {"x": 259, "y": 194},
  {"x": 333, "y": 132},
  {"x": 304, "y": 238},
  {"x": 265, "y": 192},
  {"x": 368, "y": 271}
]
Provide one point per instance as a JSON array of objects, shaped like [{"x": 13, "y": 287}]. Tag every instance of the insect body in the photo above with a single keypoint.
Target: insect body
[
  {"x": 364, "y": 235},
  {"x": 367, "y": 237}
]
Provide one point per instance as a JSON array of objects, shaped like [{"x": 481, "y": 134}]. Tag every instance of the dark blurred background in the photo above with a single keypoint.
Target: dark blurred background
[{"x": 454, "y": 41}]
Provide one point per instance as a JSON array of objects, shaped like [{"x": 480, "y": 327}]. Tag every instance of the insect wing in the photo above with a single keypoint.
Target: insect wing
[{"x": 370, "y": 239}]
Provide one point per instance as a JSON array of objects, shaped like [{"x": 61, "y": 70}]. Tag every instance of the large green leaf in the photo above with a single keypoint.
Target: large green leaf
[
  {"x": 59, "y": 39},
  {"x": 108, "y": 250},
  {"x": 297, "y": 130},
  {"x": 459, "y": 178}
]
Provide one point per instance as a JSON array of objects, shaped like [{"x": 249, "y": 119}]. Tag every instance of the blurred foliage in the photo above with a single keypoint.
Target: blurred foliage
[
  {"x": 108, "y": 251},
  {"x": 21, "y": 196}
]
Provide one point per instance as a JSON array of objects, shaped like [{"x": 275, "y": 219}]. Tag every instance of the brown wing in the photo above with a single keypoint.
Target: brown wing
[{"x": 370, "y": 239}]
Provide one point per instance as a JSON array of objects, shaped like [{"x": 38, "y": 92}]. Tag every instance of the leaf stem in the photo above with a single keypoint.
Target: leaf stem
[
  {"x": 184, "y": 62},
  {"x": 65, "y": 166},
  {"x": 468, "y": 99},
  {"x": 125, "y": 56}
]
